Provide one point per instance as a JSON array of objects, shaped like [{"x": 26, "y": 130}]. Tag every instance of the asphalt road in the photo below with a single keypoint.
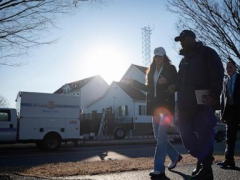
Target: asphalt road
[{"x": 28, "y": 155}]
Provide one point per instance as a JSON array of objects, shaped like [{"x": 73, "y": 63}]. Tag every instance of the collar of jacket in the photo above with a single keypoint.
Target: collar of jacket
[{"x": 194, "y": 50}]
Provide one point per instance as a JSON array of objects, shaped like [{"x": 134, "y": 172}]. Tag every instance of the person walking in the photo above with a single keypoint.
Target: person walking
[
  {"x": 160, "y": 105},
  {"x": 199, "y": 85},
  {"x": 230, "y": 111}
]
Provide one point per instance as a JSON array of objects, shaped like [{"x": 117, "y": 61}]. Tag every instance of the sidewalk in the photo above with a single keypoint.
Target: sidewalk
[{"x": 179, "y": 173}]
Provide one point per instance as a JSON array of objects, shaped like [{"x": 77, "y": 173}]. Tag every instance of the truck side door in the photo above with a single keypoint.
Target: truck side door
[{"x": 8, "y": 126}]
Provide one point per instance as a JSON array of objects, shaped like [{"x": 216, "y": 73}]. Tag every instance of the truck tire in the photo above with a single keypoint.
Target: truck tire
[
  {"x": 52, "y": 142},
  {"x": 119, "y": 133}
]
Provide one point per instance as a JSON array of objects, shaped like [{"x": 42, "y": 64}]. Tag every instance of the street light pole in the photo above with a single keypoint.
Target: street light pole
[{"x": 114, "y": 99}]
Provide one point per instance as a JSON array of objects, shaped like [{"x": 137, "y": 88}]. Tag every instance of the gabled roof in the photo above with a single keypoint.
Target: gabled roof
[
  {"x": 135, "y": 67},
  {"x": 141, "y": 68},
  {"x": 132, "y": 92},
  {"x": 76, "y": 85}
]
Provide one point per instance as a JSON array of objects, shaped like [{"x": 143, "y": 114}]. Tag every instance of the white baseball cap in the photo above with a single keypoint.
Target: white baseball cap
[{"x": 160, "y": 51}]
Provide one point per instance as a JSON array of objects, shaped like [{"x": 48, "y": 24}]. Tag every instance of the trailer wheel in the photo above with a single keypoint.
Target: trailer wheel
[
  {"x": 119, "y": 133},
  {"x": 219, "y": 137},
  {"x": 52, "y": 142}
]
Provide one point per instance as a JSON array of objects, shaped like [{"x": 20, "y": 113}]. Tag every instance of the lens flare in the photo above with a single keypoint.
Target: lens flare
[{"x": 162, "y": 116}]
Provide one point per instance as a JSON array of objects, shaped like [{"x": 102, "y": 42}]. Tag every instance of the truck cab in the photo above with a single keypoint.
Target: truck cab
[{"x": 8, "y": 125}]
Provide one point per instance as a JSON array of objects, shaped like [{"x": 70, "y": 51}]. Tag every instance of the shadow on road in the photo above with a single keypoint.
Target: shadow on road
[
  {"x": 231, "y": 168},
  {"x": 103, "y": 155},
  {"x": 186, "y": 177},
  {"x": 155, "y": 178}
]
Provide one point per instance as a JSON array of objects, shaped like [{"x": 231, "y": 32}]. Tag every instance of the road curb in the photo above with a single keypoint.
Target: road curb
[
  {"x": 109, "y": 140},
  {"x": 112, "y": 141}
]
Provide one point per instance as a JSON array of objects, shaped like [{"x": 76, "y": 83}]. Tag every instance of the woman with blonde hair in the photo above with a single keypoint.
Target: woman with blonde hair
[{"x": 160, "y": 105}]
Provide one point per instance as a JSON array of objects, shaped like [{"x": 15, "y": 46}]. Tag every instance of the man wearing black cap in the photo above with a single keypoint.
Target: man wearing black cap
[{"x": 199, "y": 86}]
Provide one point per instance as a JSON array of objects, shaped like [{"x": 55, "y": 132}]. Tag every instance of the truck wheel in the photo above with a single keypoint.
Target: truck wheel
[
  {"x": 119, "y": 133},
  {"x": 52, "y": 142},
  {"x": 219, "y": 136}
]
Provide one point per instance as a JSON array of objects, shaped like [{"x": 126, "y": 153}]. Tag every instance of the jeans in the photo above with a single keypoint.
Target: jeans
[
  {"x": 163, "y": 147},
  {"x": 197, "y": 132}
]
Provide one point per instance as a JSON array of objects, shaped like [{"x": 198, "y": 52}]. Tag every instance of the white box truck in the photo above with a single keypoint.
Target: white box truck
[{"x": 41, "y": 118}]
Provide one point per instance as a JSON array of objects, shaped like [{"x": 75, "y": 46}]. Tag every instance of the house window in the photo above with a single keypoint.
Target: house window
[
  {"x": 4, "y": 116},
  {"x": 142, "y": 109},
  {"x": 66, "y": 91},
  {"x": 123, "y": 110}
]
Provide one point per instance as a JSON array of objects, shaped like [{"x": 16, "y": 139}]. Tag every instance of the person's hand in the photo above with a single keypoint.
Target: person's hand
[
  {"x": 210, "y": 101},
  {"x": 127, "y": 81},
  {"x": 172, "y": 89},
  {"x": 162, "y": 80},
  {"x": 222, "y": 120}
]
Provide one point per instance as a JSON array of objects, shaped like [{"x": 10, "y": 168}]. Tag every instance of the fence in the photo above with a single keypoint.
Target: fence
[{"x": 91, "y": 123}]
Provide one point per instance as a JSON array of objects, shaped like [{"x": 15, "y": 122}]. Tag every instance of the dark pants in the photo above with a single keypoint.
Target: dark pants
[
  {"x": 232, "y": 120},
  {"x": 197, "y": 131}
]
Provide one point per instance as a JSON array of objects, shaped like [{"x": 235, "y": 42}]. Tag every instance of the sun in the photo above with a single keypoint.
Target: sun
[{"x": 108, "y": 61}]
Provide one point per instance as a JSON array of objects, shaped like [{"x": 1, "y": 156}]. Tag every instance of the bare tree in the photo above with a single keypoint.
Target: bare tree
[
  {"x": 24, "y": 22},
  {"x": 3, "y": 102},
  {"x": 216, "y": 23}
]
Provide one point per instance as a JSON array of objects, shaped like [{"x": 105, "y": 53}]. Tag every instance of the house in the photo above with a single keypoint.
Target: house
[
  {"x": 128, "y": 104},
  {"x": 135, "y": 72},
  {"x": 87, "y": 89}
]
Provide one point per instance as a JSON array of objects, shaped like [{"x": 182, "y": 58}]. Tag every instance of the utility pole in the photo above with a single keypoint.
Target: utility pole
[{"x": 146, "y": 45}]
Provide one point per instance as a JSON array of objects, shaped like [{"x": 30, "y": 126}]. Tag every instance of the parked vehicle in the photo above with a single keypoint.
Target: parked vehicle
[
  {"x": 220, "y": 133},
  {"x": 41, "y": 118}
]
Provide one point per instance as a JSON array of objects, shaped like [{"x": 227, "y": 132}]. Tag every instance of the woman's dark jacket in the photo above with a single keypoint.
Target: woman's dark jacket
[
  {"x": 200, "y": 69},
  {"x": 163, "y": 97}
]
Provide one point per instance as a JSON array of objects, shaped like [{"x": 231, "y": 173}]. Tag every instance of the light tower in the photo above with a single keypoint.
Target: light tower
[{"x": 146, "y": 45}]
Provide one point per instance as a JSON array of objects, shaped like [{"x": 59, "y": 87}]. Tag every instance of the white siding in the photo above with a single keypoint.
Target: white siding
[
  {"x": 116, "y": 97},
  {"x": 92, "y": 91},
  {"x": 141, "y": 118},
  {"x": 135, "y": 73}
]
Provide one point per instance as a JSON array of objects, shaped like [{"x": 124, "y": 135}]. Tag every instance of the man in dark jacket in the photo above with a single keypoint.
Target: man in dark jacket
[
  {"x": 230, "y": 111},
  {"x": 199, "y": 87}
]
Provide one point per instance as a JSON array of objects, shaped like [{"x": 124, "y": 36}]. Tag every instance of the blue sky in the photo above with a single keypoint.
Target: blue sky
[{"x": 96, "y": 40}]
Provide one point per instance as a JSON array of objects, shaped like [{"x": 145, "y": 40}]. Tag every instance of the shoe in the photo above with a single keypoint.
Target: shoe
[
  {"x": 174, "y": 163},
  {"x": 157, "y": 174},
  {"x": 227, "y": 163},
  {"x": 205, "y": 173},
  {"x": 197, "y": 169}
]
